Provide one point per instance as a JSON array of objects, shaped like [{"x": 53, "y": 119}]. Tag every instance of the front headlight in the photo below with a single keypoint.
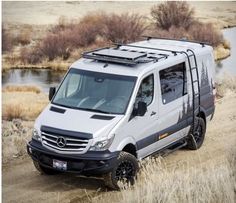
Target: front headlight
[
  {"x": 103, "y": 144},
  {"x": 36, "y": 135}
]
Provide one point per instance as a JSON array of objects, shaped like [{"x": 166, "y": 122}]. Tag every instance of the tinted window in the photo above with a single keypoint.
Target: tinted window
[
  {"x": 173, "y": 82},
  {"x": 146, "y": 89}
]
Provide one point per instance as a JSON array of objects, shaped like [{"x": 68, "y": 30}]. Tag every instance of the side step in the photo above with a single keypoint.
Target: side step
[{"x": 173, "y": 148}]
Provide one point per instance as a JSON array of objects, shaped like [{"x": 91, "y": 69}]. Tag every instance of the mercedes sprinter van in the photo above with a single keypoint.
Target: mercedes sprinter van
[{"x": 118, "y": 105}]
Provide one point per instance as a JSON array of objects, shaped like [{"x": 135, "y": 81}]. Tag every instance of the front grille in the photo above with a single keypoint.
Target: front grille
[{"x": 72, "y": 144}]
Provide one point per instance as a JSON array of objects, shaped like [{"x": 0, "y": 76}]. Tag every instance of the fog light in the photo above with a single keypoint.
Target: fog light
[{"x": 30, "y": 150}]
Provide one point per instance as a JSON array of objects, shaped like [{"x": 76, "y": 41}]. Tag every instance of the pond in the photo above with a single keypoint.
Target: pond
[
  {"x": 229, "y": 64},
  {"x": 45, "y": 78}
]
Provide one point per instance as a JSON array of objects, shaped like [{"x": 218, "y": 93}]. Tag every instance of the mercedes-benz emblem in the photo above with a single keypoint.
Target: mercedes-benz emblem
[{"x": 61, "y": 142}]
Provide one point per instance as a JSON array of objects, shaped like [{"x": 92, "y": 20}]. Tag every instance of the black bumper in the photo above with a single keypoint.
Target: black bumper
[{"x": 90, "y": 163}]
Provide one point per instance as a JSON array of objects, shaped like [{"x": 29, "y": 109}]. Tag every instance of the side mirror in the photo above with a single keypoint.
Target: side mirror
[
  {"x": 52, "y": 91},
  {"x": 142, "y": 108}
]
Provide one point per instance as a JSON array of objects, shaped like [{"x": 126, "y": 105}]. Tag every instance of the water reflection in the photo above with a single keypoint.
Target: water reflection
[
  {"x": 42, "y": 78},
  {"x": 229, "y": 64}
]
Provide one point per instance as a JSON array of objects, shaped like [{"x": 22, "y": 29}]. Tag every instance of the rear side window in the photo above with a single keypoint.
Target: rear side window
[{"x": 173, "y": 82}]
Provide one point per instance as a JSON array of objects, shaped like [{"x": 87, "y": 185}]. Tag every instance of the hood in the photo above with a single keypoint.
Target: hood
[{"x": 78, "y": 120}]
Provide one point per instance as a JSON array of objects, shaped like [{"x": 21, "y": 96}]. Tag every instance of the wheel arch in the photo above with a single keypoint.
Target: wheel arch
[
  {"x": 202, "y": 114},
  {"x": 130, "y": 148},
  {"x": 128, "y": 145}
]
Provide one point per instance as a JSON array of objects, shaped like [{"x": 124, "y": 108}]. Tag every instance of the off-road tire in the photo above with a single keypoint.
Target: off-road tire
[
  {"x": 201, "y": 130},
  {"x": 124, "y": 157},
  {"x": 44, "y": 170}
]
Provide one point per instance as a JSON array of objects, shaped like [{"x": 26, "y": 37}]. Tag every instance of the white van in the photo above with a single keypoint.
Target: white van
[{"x": 118, "y": 105}]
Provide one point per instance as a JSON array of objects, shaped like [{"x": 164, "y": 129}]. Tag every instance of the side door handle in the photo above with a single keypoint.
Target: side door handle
[{"x": 153, "y": 113}]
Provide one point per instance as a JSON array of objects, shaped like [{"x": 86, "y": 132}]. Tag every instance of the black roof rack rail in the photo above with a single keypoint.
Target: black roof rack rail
[
  {"x": 172, "y": 39},
  {"x": 151, "y": 48}
]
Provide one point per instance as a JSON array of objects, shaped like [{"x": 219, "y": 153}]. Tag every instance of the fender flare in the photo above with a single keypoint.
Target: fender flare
[
  {"x": 126, "y": 141},
  {"x": 202, "y": 110}
]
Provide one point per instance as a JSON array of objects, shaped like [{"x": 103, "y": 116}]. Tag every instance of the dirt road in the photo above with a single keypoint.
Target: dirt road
[{"x": 22, "y": 183}]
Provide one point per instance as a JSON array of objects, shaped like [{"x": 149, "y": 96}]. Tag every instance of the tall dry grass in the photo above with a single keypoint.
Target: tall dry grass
[
  {"x": 22, "y": 104},
  {"x": 210, "y": 182},
  {"x": 22, "y": 88},
  {"x": 225, "y": 84},
  {"x": 12, "y": 111},
  {"x": 15, "y": 135}
]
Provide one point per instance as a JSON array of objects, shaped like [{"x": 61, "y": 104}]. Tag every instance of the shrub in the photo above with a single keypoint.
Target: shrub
[
  {"x": 173, "y": 33},
  {"x": 55, "y": 45},
  {"x": 62, "y": 24},
  {"x": 23, "y": 38},
  {"x": 172, "y": 13},
  {"x": 87, "y": 30},
  {"x": 206, "y": 33},
  {"x": 123, "y": 28},
  {"x": 64, "y": 37},
  {"x": 7, "y": 41},
  {"x": 25, "y": 55},
  {"x": 31, "y": 55}
]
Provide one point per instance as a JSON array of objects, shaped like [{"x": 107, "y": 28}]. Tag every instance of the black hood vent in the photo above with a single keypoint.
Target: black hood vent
[
  {"x": 100, "y": 117},
  {"x": 58, "y": 110}
]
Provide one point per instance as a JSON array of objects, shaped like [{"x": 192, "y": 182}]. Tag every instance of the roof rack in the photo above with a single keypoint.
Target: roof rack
[
  {"x": 151, "y": 48},
  {"x": 123, "y": 56},
  {"x": 182, "y": 40}
]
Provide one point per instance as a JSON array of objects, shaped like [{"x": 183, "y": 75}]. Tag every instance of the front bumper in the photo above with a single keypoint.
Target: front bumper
[{"x": 90, "y": 163}]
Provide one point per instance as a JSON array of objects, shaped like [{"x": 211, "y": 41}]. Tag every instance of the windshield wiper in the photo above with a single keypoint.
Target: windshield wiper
[{"x": 95, "y": 110}]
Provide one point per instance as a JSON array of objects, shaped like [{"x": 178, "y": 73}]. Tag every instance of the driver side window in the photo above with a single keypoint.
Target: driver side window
[{"x": 146, "y": 91}]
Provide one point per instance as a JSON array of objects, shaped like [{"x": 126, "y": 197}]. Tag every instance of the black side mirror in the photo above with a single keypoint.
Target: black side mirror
[
  {"x": 142, "y": 108},
  {"x": 52, "y": 91}
]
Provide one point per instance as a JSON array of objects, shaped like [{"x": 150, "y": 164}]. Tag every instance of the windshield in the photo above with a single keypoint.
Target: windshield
[{"x": 93, "y": 91}]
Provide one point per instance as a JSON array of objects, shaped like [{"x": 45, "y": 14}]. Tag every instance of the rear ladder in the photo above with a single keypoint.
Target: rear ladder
[{"x": 195, "y": 91}]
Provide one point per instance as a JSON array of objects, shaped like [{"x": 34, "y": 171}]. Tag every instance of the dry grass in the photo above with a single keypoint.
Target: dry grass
[
  {"x": 15, "y": 135},
  {"x": 225, "y": 84},
  {"x": 12, "y": 111},
  {"x": 222, "y": 51},
  {"x": 22, "y": 88},
  {"x": 23, "y": 105},
  {"x": 211, "y": 182}
]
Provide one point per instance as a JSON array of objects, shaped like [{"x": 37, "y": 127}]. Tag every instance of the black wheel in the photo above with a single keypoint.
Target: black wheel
[
  {"x": 125, "y": 171},
  {"x": 196, "y": 140},
  {"x": 44, "y": 170}
]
